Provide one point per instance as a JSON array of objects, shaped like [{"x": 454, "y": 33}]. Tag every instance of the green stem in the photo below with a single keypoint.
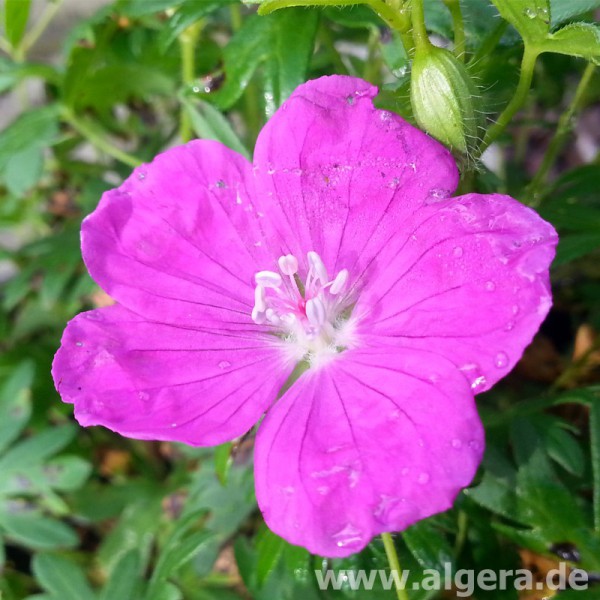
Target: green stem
[
  {"x": 418, "y": 24},
  {"x": 489, "y": 43},
  {"x": 392, "y": 556},
  {"x": 92, "y": 136},
  {"x": 521, "y": 93},
  {"x": 187, "y": 44},
  {"x": 236, "y": 17},
  {"x": 5, "y": 45},
  {"x": 459, "y": 28},
  {"x": 372, "y": 68},
  {"x": 40, "y": 26},
  {"x": 563, "y": 130}
]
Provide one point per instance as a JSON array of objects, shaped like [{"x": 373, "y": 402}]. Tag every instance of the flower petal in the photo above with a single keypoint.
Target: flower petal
[
  {"x": 339, "y": 177},
  {"x": 179, "y": 240},
  {"x": 154, "y": 381},
  {"x": 371, "y": 443},
  {"x": 471, "y": 283}
]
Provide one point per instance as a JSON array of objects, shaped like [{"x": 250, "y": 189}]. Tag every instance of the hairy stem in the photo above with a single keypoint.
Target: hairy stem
[
  {"x": 187, "y": 44},
  {"x": 526, "y": 76},
  {"x": 99, "y": 141},
  {"x": 392, "y": 556},
  {"x": 459, "y": 28},
  {"x": 563, "y": 130},
  {"x": 418, "y": 24}
]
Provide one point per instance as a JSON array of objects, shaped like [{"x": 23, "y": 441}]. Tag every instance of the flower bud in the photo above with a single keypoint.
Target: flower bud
[{"x": 443, "y": 98}]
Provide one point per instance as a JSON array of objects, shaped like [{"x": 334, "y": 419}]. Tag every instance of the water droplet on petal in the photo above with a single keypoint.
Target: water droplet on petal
[
  {"x": 456, "y": 443},
  {"x": 224, "y": 364},
  {"x": 458, "y": 252},
  {"x": 288, "y": 490},
  {"x": 515, "y": 310},
  {"x": 423, "y": 478},
  {"x": 474, "y": 445},
  {"x": 323, "y": 490},
  {"x": 478, "y": 383},
  {"x": 347, "y": 536},
  {"x": 404, "y": 471},
  {"x": 143, "y": 396},
  {"x": 501, "y": 360},
  {"x": 221, "y": 184},
  {"x": 80, "y": 344},
  {"x": 490, "y": 286}
]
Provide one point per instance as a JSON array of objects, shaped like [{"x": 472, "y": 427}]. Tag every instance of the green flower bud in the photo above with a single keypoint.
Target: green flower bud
[{"x": 443, "y": 98}]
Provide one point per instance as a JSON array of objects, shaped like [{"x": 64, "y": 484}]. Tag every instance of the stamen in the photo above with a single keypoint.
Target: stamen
[
  {"x": 288, "y": 264},
  {"x": 317, "y": 266},
  {"x": 315, "y": 312},
  {"x": 268, "y": 279},
  {"x": 305, "y": 308},
  {"x": 338, "y": 284}
]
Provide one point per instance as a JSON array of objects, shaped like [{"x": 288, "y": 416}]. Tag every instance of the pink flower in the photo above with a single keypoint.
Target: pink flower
[{"x": 341, "y": 251}]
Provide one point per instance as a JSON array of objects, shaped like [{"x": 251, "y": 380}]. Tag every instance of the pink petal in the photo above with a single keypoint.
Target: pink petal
[
  {"x": 180, "y": 240},
  {"x": 469, "y": 280},
  {"x": 337, "y": 176},
  {"x": 154, "y": 381},
  {"x": 371, "y": 443}
]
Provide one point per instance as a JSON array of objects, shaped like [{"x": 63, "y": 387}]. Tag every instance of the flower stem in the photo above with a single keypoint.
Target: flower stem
[
  {"x": 33, "y": 36},
  {"x": 459, "y": 28},
  {"x": 187, "y": 44},
  {"x": 530, "y": 55},
  {"x": 392, "y": 556},
  {"x": 562, "y": 131},
  {"x": 418, "y": 24},
  {"x": 95, "y": 138}
]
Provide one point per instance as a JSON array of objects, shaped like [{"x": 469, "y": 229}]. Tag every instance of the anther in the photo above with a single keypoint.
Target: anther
[
  {"x": 337, "y": 285},
  {"x": 268, "y": 279},
  {"x": 288, "y": 264},
  {"x": 316, "y": 264}
]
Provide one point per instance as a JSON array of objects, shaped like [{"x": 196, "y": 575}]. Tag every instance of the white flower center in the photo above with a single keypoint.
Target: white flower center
[{"x": 311, "y": 317}]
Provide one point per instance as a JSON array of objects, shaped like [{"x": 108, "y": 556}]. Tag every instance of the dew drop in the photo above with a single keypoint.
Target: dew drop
[
  {"x": 404, "y": 472},
  {"x": 490, "y": 286},
  {"x": 80, "y": 344},
  {"x": 478, "y": 383},
  {"x": 348, "y": 535},
  {"x": 530, "y": 13},
  {"x": 350, "y": 100},
  {"x": 456, "y": 443},
  {"x": 509, "y": 326},
  {"x": 288, "y": 490},
  {"x": 474, "y": 445},
  {"x": 221, "y": 184},
  {"x": 323, "y": 490},
  {"x": 515, "y": 310},
  {"x": 143, "y": 395},
  {"x": 458, "y": 252},
  {"x": 423, "y": 478},
  {"x": 501, "y": 360},
  {"x": 224, "y": 364}
]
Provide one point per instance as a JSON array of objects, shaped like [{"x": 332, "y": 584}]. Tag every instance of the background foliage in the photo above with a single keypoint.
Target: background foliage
[{"x": 85, "y": 514}]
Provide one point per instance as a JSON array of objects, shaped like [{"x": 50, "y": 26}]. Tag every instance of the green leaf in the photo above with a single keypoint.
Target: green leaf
[
  {"x": 36, "y": 531},
  {"x": 564, "y": 449},
  {"x": 15, "y": 403},
  {"x": 187, "y": 14},
  {"x": 564, "y": 10},
  {"x": 124, "y": 579},
  {"x": 429, "y": 546},
  {"x": 576, "y": 39},
  {"x": 210, "y": 124},
  {"x": 269, "y": 548},
  {"x": 223, "y": 461},
  {"x": 37, "y": 128},
  {"x": 24, "y": 170},
  {"x": 16, "y": 14},
  {"x": 573, "y": 246},
  {"x": 61, "y": 577},
  {"x": 282, "y": 42},
  {"x": 595, "y": 448},
  {"x": 531, "y": 18},
  {"x": 36, "y": 448}
]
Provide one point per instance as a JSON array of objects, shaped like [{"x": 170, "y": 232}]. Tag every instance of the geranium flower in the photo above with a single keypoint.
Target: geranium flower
[{"x": 335, "y": 286}]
